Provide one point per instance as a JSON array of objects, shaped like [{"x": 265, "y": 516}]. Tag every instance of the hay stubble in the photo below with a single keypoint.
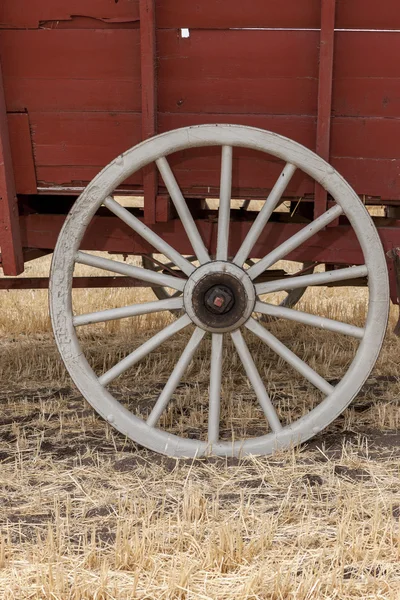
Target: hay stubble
[{"x": 86, "y": 514}]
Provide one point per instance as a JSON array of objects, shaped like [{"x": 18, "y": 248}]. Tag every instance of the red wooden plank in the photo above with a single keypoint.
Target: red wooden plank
[
  {"x": 367, "y": 54},
  {"x": 22, "y": 14},
  {"x": 239, "y": 54},
  {"x": 379, "y": 178},
  {"x": 214, "y": 72},
  {"x": 209, "y": 72},
  {"x": 223, "y": 14},
  {"x": 64, "y": 54},
  {"x": 83, "y": 139},
  {"x": 333, "y": 245},
  {"x": 12, "y": 260},
  {"x": 371, "y": 177},
  {"x": 366, "y": 138},
  {"x": 73, "y": 95},
  {"x": 368, "y": 14},
  {"x": 21, "y": 152},
  {"x": 72, "y": 146},
  {"x": 149, "y": 101},
  {"x": 272, "y": 72},
  {"x": 373, "y": 97},
  {"x": 209, "y": 14},
  {"x": 75, "y": 176},
  {"x": 325, "y": 96},
  {"x": 367, "y": 74},
  {"x": 71, "y": 70},
  {"x": 279, "y": 96}
]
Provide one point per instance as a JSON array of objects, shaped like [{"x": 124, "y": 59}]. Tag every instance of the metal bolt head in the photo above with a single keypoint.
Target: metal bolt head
[{"x": 219, "y": 299}]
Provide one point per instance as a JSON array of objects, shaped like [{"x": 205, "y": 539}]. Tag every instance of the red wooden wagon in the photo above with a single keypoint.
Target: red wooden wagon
[{"x": 313, "y": 92}]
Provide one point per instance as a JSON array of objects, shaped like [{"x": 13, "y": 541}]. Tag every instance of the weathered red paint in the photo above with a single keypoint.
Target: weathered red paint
[
  {"x": 22, "y": 14},
  {"x": 22, "y": 153},
  {"x": 149, "y": 101},
  {"x": 208, "y": 14},
  {"x": 12, "y": 261},
  {"x": 336, "y": 245}
]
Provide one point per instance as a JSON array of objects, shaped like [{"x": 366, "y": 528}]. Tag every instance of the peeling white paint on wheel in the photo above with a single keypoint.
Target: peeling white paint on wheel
[{"x": 152, "y": 150}]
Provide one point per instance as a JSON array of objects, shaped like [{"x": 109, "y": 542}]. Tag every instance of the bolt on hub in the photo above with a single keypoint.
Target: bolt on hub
[{"x": 219, "y": 299}]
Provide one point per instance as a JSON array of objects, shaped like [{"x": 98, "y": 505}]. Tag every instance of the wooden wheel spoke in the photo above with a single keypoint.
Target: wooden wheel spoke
[
  {"x": 128, "y": 311},
  {"x": 308, "y": 319},
  {"x": 290, "y": 357},
  {"x": 124, "y": 269},
  {"x": 264, "y": 214},
  {"x": 293, "y": 283},
  {"x": 146, "y": 233},
  {"x": 183, "y": 210},
  {"x": 224, "y": 203},
  {"x": 175, "y": 377},
  {"x": 143, "y": 350},
  {"x": 256, "y": 381},
  {"x": 295, "y": 241},
  {"x": 217, "y": 344}
]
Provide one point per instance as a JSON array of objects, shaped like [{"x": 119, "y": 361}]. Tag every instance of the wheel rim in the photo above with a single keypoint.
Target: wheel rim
[{"x": 295, "y": 156}]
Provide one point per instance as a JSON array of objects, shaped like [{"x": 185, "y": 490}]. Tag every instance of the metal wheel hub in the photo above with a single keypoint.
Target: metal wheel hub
[{"x": 219, "y": 297}]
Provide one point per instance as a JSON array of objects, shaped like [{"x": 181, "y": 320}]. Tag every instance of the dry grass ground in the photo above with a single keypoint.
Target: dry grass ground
[{"x": 87, "y": 515}]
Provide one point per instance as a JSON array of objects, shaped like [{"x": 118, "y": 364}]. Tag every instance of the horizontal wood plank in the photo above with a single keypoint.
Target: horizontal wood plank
[
  {"x": 71, "y": 70},
  {"x": 333, "y": 245},
  {"x": 83, "y": 139},
  {"x": 209, "y": 14},
  {"x": 23, "y": 14},
  {"x": 239, "y": 72},
  {"x": 71, "y": 146},
  {"x": 222, "y": 14},
  {"x": 275, "y": 72}
]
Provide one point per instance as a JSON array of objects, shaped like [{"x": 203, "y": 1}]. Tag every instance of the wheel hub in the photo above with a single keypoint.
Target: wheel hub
[{"x": 219, "y": 296}]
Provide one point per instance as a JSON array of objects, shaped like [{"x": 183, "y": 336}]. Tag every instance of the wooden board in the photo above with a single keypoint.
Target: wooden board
[
  {"x": 245, "y": 72},
  {"x": 223, "y": 14},
  {"x": 82, "y": 139},
  {"x": 68, "y": 142},
  {"x": 333, "y": 245},
  {"x": 71, "y": 70},
  {"x": 243, "y": 79},
  {"x": 207, "y": 14},
  {"x": 23, "y": 14},
  {"x": 22, "y": 153},
  {"x": 276, "y": 72}
]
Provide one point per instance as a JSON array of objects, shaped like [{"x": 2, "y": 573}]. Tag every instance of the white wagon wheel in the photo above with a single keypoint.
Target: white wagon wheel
[
  {"x": 206, "y": 305},
  {"x": 163, "y": 293}
]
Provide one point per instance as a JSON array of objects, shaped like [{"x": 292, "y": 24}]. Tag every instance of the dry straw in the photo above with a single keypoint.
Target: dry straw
[{"x": 87, "y": 515}]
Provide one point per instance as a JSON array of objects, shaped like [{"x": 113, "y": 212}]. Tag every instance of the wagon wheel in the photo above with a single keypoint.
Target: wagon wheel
[
  {"x": 162, "y": 293},
  {"x": 210, "y": 290}
]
